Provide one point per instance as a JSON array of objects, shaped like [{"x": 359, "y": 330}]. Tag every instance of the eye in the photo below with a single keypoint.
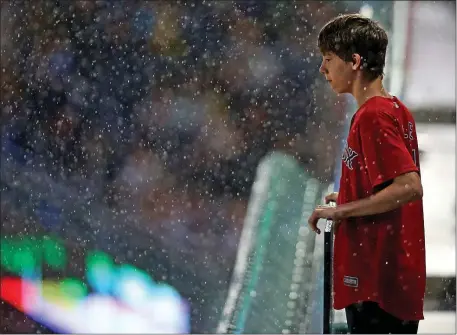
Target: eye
[{"x": 327, "y": 60}]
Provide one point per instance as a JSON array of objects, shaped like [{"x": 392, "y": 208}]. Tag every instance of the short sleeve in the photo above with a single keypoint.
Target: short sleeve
[{"x": 383, "y": 148}]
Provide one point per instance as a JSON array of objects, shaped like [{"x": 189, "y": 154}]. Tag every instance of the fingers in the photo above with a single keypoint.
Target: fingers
[
  {"x": 312, "y": 222},
  {"x": 322, "y": 212},
  {"x": 332, "y": 197}
]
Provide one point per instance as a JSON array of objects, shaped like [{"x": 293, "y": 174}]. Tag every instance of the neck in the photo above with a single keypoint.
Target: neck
[{"x": 363, "y": 90}]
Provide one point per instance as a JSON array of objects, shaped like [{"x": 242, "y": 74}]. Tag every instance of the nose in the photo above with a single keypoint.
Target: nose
[{"x": 322, "y": 69}]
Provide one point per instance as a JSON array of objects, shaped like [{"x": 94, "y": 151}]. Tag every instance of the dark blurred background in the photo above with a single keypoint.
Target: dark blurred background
[{"x": 137, "y": 126}]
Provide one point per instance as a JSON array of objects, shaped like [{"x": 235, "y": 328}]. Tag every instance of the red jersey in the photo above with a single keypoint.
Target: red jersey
[{"x": 381, "y": 257}]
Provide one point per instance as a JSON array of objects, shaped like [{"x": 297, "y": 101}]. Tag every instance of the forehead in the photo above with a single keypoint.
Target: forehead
[{"x": 328, "y": 54}]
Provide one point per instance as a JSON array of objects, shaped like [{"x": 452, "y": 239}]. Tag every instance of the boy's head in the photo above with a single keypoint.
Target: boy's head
[{"x": 352, "y": 45}]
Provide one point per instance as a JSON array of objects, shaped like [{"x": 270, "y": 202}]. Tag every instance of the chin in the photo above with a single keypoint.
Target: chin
[{"x": 340, "y": 90}]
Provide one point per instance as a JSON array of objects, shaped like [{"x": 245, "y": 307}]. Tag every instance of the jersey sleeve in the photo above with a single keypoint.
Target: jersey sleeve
[{"x": 383, "y": 148}]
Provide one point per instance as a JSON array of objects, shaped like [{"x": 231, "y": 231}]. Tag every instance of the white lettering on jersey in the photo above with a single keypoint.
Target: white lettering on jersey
[
  {"x": 409, "y": 132},
  {"x": 348, "y": 156}
]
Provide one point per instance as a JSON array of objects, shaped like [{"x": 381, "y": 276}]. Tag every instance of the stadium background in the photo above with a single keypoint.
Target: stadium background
[{"x": 131, "y": 135}]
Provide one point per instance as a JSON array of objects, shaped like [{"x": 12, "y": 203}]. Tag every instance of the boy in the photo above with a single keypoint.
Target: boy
[{"x": 379, "y": 250}]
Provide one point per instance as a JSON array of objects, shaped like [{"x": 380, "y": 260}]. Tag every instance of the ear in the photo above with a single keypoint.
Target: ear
[{"x": 356, "y": 61}]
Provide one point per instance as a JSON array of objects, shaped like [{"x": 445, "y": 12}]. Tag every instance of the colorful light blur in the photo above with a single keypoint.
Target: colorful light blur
[{"x": 124, "y": 298}]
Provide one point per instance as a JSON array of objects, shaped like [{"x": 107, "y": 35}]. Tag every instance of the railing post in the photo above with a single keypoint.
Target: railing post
[{"x": 328, "y": 277}]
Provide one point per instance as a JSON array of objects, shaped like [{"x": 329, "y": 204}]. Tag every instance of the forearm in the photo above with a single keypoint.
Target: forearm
[{"x": 388, "y": 199}]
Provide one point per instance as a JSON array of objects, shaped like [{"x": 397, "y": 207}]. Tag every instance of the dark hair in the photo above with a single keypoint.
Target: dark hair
[{"x": 348, "y": 34}]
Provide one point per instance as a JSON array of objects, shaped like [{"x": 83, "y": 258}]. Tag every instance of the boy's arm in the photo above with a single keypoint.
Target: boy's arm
[{"x": 404, "y": 189}]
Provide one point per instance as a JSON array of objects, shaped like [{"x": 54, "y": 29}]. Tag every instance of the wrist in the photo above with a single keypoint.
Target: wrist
[
  {"x": 344, "y": 211},
  {"x": 339, "y": 213}
]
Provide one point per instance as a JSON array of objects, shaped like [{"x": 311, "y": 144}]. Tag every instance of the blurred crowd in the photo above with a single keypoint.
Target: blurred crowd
[{"x": 163, "y": 109}]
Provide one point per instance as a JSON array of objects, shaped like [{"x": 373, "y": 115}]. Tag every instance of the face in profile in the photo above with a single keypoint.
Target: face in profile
[{"x": 338, "y": 73}]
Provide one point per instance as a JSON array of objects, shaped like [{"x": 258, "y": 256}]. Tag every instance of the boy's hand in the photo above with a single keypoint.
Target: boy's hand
[
  {"x": 332, "y": 197},
  {"x": 322, "y": 212}
]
